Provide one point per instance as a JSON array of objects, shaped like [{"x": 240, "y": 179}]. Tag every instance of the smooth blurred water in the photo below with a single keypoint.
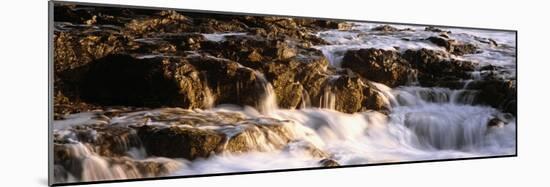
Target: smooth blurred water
[{"x": 423, "y": 123}]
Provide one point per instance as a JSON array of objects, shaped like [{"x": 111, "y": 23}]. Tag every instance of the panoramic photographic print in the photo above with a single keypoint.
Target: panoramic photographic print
[{"x": 151, "y": 93}]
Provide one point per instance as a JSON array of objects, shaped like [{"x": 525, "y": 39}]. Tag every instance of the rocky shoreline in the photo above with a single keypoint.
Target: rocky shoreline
[{"x": 150, "y": 79}]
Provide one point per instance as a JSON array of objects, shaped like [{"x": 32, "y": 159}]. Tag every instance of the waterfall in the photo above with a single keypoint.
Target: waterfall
[
  {"x": 433, "y": 128},
  {"x": 422, "y": 123},
  {"x": 208, "y": 100},
  {"x": 328, "y": 99},
  {"x": 386, "y": 93},
  {"x": 305, "y": 100},
  {"x": 412, "y": 78},
  {"x": 334, "y": 57},
  {"x": 268, "y": 102},
  {"x": 414, "y": 95},
  {"x": 448, "y": 126},
  {"x": 95, "y": 167}
]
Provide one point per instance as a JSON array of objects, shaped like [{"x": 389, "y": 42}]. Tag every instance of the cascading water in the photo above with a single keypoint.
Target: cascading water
[
  {"x": 424, "y": 123},
  {"x": 305, "y": 100},
  {"x": 269, "y": 101}
]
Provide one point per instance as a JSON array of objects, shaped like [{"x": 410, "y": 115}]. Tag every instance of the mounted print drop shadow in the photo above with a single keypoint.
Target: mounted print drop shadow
[{"x": 149, "y": 93}]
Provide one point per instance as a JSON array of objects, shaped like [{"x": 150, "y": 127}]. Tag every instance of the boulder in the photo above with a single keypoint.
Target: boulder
[
  {"x": 64, "y": 106},
  {"x": 184, "y": 41},
  {"x": 167, "y": 21},
  {"x": 453, "y": 46},
  {"x": 228, "y": 81},
  {"x": 169, "y": 132},
  {"x": 378, "y": 65},
  {"x": 251, "y": 50},
  {"x": 179, "y": 142},
  {"x": 435, "y": 29},
  {"x": 200, "y": 135},
  {"x": 191, "y": 81},
  {"x": 324, "y": 24},
  {"x": 495, "y": 122},
  {"x": 329, "y": 163},
  {"x": 501, "y": 94},
  {"x": 435, "y": 68},
  {"x": 125, "y": 80},
  {"x": 292, "y": 78},
  {"x": 77, "y": 161},
  {"x": 74, "y": 49},
  {"x": 385, "y": 28},
  {"x": 212, "y": 24},
  {"x": 354, "y": 95}
]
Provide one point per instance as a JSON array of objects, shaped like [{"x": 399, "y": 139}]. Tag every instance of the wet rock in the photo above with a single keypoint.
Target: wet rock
[
  {"x": 306, "y": 79},
  {"x": 353, "y": 95},
  {"x": 493, "y": 42},
  {"x": 216, "y": 25},
  {"x": 293, "y": 77},
  {"x": 453, "y": 46},
  {"x": 444, "y": 35},
  {"x": 184, "y": 41},
  {"x": 251, "y": 49},
  {"x": 329, "y": 163},
  {"x": 489, "y": 68},
  {"x": 72, "y": 49},
  {"x": 344, "y": 26},
  {"x": 216, "y": 72},
  {"x": 151, "y": 167},
  {"x": 81, "y": 162},
  {"x": 229, "y": 81},
  {"x": 167, "y": 21},
  {"x": 64, "y": 106},
  {"x": 327, "y": 24},
  {"x": 125, "y": 80},
  {"x": 291, "y": 94},
  {"x": 488, "y": 41},
  {"x": 154, "y": 36},
  {"x": 378, "y": 65},
  {"x": 264, "y": 134},
  {"x": 495, "y": 122},
  {"x": 111, "y": 140},
  {"x": 97, "y": 134},
  {"x": 435, "y": 68},
  {"x": 440, "y": 41},
  {"x": 272, "y": 27},
  {"x": 200, "y": 135},
  {"x": 168, "y": 132},
  {"x": 179, "y": 142},
  {"x": 192, "y": 81},
  {"x": 501, "y": 94},
  {"x": 435, "y": 29},
  {"x": 385, "y": 28}
]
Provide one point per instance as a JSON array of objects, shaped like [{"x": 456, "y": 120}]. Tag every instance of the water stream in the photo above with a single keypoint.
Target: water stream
[{"x": 423, "y": 123}]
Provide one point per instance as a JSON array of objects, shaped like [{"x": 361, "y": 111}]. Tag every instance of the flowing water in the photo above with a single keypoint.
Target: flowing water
[{"x": 423, "y": 123}]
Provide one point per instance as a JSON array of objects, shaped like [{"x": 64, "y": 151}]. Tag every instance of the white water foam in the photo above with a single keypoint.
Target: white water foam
[
  {"x": 422, "y": 124},
  {"x": 218, "y": 37},
  {"x": 362, "y": 36}
]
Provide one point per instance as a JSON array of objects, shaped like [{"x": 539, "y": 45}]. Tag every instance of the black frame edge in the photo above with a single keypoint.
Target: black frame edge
[{"x": 50, "y": 92}]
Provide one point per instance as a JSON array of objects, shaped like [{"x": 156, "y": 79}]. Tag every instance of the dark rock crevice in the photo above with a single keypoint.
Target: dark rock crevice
[{"x": 124, "y": 80}]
